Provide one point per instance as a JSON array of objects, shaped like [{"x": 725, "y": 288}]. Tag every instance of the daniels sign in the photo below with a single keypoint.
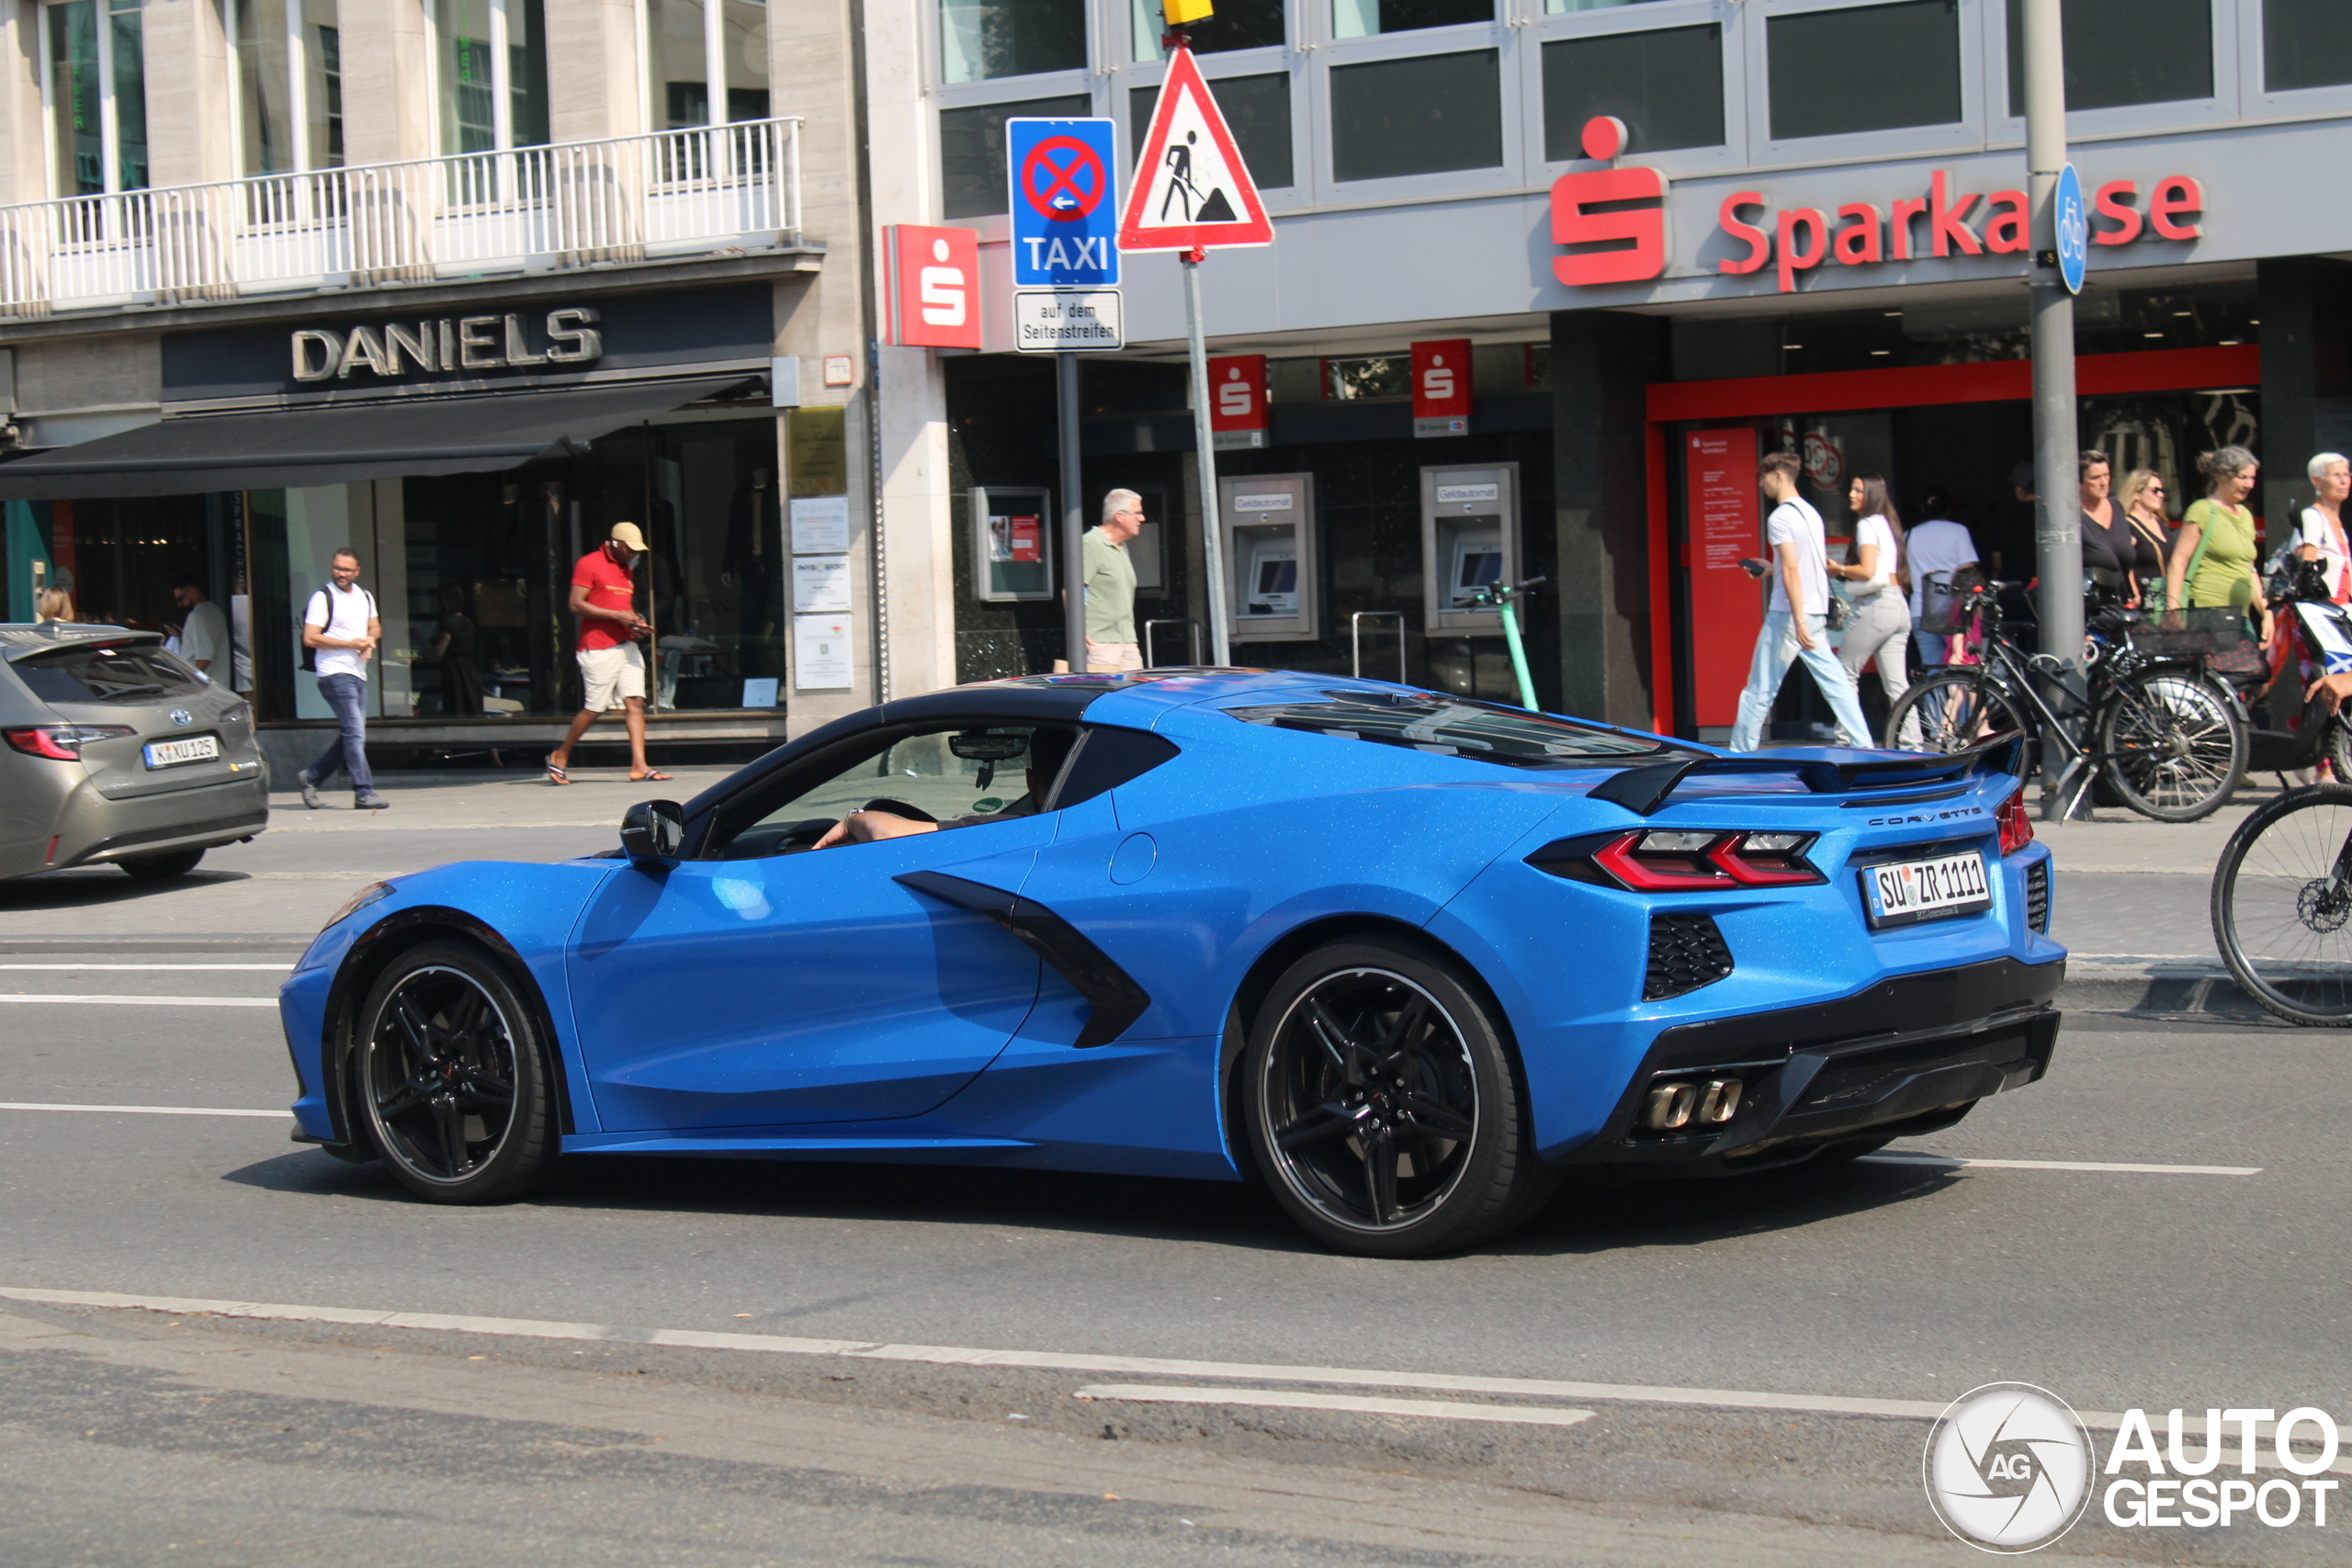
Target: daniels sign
[
  {"x": 1610, "y": 224},
  {"x": 453, "y": 343}
]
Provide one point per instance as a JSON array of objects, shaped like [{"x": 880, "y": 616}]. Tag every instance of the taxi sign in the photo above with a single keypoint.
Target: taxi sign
[{"x": 1065, "y": 202}]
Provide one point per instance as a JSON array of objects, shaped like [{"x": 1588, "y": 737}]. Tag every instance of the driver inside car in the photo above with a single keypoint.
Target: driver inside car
[{"x": 1048, "y": 750}]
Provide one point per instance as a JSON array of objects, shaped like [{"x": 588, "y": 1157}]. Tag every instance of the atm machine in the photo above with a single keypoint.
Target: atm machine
[
  {"x": 1274, "y": 580},
  {"x": 1469, "y": 541},
  {"x": 1014, "y": 537}
]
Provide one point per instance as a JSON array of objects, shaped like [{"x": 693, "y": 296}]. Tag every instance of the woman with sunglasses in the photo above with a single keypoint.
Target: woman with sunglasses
[{"x": 2142, "y": 495}]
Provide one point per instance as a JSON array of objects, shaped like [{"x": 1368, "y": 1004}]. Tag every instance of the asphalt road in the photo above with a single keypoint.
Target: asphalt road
[{"x": 1817, "y": 1297}]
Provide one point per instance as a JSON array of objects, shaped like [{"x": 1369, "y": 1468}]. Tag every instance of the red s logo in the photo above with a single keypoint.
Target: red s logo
[{"x": 1621, "y": 245}]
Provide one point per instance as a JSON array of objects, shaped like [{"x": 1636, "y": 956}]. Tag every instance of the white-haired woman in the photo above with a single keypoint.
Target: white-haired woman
[{"x": 2319, "y": 536}]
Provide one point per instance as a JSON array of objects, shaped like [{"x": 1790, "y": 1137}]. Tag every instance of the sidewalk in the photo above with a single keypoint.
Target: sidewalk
[{"x": 596, "y": 796}]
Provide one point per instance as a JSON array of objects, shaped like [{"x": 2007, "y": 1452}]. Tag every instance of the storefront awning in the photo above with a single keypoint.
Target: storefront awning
[{"x": 291, "y": 449}]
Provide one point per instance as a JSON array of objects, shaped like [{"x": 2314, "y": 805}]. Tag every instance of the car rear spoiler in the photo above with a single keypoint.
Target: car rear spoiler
[
  {"x": 1644, "y": 790},
  {"x": 31, "y": 642}
]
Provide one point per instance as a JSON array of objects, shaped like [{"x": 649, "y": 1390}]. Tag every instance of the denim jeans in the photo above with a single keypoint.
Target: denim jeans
[
  {"x": 348, "y": 694},
  {"x": 1776, "y": 649}
]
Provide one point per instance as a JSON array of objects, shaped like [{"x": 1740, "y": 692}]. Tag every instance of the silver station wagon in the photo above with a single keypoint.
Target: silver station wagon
[{"x": 114, "y": 752}]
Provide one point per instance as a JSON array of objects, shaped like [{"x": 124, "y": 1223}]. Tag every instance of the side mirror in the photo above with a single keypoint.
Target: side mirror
[{"x": 652, "y": 831}]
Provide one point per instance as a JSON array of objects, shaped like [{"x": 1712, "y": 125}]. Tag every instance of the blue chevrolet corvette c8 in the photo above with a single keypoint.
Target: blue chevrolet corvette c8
[{"x": 1406, "y": 956}]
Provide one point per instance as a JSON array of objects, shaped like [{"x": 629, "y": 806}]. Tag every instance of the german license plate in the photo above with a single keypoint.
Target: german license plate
[
  {"x": 1902, "y": 892},
  {"x": 172, "y": 753}
]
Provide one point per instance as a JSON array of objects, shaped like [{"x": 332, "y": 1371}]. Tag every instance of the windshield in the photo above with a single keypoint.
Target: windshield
[
  {"x": 1460, "y": 727},
  {"x": 118, "y": 672}
]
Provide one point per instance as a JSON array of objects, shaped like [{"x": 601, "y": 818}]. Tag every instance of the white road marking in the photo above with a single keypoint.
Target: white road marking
[
  {"x": 146, "y": 1110},
  {"x": 1281, "y": 1399},
  {"x": 77, "y": 968},
  {"x": 72, "y": 999},
  {"x": 1947, "y": 1162}
]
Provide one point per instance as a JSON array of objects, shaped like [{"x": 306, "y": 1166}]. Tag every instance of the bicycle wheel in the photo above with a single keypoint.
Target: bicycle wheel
[
  {"x": 2282, "y": 905},
  {"x": 2175, "y": 744},
  {"x": 1955, "y": 710}
]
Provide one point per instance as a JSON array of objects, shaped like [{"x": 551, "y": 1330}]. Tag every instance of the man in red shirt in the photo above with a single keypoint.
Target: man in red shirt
[{"x": 612, "y": 669}]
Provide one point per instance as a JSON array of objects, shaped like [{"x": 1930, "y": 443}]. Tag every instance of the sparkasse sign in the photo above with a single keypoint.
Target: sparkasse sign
[{"x": 1611, "y": 223}]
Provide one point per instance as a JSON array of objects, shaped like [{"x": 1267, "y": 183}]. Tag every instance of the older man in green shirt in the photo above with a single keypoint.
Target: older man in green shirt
[{"x": 1109, "y": 577}]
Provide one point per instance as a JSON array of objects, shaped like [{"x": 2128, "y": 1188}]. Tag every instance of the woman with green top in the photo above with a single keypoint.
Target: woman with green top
[{"x": 2215, "y": 562}]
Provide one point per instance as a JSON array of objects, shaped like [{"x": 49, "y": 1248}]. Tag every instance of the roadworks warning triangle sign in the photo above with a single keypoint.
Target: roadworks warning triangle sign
[{"x": 1191, "y": 191}]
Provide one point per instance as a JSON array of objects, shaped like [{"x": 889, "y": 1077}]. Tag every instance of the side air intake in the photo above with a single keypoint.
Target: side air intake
[{"x": 1686, "y": 953}]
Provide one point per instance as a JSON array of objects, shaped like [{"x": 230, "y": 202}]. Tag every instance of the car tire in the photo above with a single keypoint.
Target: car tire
[
  {"x": 1383, "y": 1104},
  {"x": 453, "y": 1078},
  {"x": 162, "y": 868}
]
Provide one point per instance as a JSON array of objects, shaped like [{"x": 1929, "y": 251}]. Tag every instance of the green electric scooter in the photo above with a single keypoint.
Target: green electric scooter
[{"x": 1503, "y": 596}]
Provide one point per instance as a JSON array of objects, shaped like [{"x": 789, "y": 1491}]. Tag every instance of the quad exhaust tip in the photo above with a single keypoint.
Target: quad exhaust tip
[{"x": 1670, "y": 1107}]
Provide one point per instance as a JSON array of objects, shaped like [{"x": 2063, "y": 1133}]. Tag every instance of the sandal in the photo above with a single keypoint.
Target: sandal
[
  {"x": 556, "y": 775},
  {"x": 651, "y": 775}
]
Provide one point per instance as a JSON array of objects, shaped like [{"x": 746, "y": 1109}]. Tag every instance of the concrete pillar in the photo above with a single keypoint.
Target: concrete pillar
[
  {"x": 24, "y": 176},
  {"x": 1601, "y": 363},
  {"x": 389, "y": 114},
  {"x": 189, "y": 133},
  {"x": 592, "y": 86}
]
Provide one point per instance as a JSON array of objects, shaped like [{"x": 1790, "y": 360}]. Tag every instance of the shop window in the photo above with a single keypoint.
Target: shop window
[
  {"x": 1237, "y": 24},
  {"x": 982, "y": 40},
  {"x": 690, "y": 44},
  {"x": 97, "y": 52},
  {"x": 1368, "y": 376},
  {"x": 1666, "y": 85},
  {"x": 290, "y": 85},
  {"x": 1361, "y": 18},
  {"x": 1867, "y": 68},
  {"x": 971, "y": 151},
  {"x": 2305, "y": 43},
  {"x": 491, "y": 56},
  {"x": 1257, "y": 108},
  {"x": 2171, "y": 57},
  {"x": 1422, "y": 115}
]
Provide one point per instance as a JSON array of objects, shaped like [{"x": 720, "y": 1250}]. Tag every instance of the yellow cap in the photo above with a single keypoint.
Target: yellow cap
[
  {"x": 1183, "y": 13},
  {"x": 626, "y": 534}
]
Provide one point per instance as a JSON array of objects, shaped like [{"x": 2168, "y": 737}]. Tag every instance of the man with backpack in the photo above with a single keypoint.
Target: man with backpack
[
  {"x": 1937, "y": 550},
  {"x": 340, "y": 630}
]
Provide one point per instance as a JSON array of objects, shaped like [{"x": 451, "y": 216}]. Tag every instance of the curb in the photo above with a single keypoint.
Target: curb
[{"x": 2169, "y": 988}]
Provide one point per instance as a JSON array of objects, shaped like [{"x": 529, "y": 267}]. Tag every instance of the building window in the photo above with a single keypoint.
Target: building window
[
  {"x": 1867, "y": 68},
  {"x": 1558, "y": 7},
  {"x": 2305, "y": 43},
  {"x": 972, "y": 178},
  {"x": 1237, "y": 24},
  {"x": 982, "y": 40},
  {"x": 690, "y": 43},
  {"x": 2171, "y": 57},
  {"x": 1257, "y": 108},
  {"x": 289, "y": 75},
  {"x": 491, "y": 56},
  {"x": 1667, "y": 85},
  {"x": 1422, "y": 115},
  {"x": 1361, "y": 18},
  {"x": 97, "y": 94}
]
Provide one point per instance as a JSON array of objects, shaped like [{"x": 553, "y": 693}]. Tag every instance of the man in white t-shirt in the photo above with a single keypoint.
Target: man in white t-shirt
[
  {"x": 341, "y": 628},
  {"x": 1937, "y": 545},
  {"x": 1796, "y": 627},
  {"x": 204, "y": 634}
]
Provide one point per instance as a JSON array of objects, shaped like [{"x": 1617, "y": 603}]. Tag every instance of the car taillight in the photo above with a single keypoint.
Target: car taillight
[
  {"x": 2016, "y": 824},
  {"x": 61, "y": 743},
  {"x": 1688, "y": 860}
]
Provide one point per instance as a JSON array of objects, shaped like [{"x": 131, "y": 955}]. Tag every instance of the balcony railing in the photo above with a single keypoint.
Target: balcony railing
[{"x": 574, "y": 204}]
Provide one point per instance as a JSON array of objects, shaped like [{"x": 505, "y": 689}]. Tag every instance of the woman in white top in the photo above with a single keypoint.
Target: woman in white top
[
  {"x": 1881, "y": 628},
  {"x": 2321, "y": 536}
]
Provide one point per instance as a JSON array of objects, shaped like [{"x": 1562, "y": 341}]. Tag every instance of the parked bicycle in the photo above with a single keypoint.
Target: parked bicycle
[
  {"x": 2168, "y": 739},
  {"x": 2282, "y": 905}
]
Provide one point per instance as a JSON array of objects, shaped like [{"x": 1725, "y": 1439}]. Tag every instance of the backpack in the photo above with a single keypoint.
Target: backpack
[
  {"x": 310, "y": 664},
  {"x": 1942, "y": 608}
]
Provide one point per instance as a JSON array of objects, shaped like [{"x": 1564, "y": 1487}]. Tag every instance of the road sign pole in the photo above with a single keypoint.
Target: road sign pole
[
  {"x": 1204, "y": 445},
  {"x": 1073, "y": 514},
  {"x": 2057, "y": 531}
]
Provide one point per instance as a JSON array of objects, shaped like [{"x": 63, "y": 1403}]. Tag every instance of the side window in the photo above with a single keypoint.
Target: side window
[
  {"x": 1108, "y": 758},
  {"x": 958, "y": 778}
]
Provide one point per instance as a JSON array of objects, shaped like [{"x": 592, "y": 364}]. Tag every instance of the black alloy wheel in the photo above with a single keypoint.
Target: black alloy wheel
[
  {"x": 452, "y": 1077},
  {"x": 1383, "y": 1106},
  {"x": 162, "y": 867}
]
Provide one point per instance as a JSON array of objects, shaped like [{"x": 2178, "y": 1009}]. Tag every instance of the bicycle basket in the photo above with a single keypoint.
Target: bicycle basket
[
  {"x": 1943, "y": 609},
  {"x": 2208, "y": 634}
]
